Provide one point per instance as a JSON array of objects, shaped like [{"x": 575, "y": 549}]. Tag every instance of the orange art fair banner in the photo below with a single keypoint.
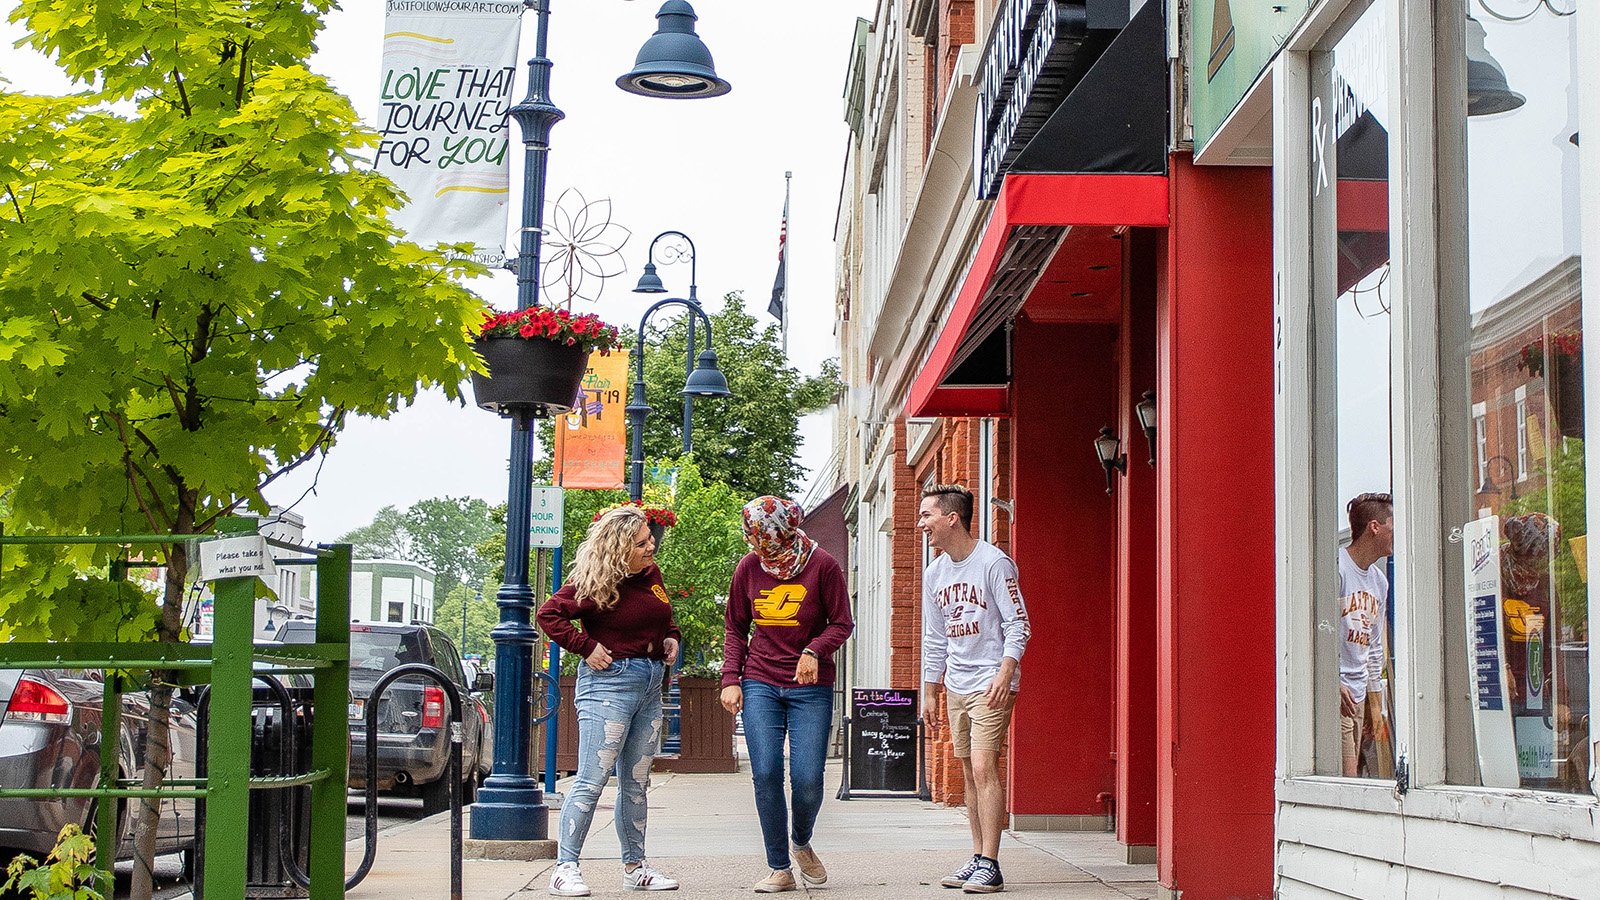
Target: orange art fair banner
[{"x": 591, "y": 440}]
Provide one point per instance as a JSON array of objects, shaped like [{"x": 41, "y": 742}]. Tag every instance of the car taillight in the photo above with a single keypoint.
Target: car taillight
[
  {"x": 34, "y": 701},
  {"x": 432, "y": 707}
]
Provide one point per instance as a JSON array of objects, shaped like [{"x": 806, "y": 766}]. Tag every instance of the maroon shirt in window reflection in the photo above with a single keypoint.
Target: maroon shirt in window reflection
[
  {"x": 635, "y": 627},
  {"x": 770, "y": 620}
]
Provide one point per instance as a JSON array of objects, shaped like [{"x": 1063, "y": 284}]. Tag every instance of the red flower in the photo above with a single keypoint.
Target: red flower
[{"x": 585, "y": 332}]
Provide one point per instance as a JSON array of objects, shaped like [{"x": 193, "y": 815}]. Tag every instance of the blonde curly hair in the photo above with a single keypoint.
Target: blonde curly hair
[{"x": 602, "y": 558}]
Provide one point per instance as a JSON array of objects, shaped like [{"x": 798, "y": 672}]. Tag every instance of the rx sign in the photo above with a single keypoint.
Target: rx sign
[{"x": 544, "y": 521}]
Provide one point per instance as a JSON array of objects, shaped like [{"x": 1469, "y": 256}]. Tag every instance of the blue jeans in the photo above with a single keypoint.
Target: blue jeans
[
  {"x": 619, "y": 725},
  {"x": 803, "y": 714}
]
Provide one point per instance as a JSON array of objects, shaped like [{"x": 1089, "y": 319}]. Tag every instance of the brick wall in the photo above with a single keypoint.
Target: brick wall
[{"x": 957, "y": 24}]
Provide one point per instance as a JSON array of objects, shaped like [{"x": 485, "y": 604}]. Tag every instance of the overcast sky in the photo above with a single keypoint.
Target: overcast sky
[{"x": 711, "y": 168}]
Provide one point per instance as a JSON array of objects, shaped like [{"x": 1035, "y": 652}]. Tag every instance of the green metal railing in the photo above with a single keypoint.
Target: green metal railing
[{"x": 228, "y": 664}]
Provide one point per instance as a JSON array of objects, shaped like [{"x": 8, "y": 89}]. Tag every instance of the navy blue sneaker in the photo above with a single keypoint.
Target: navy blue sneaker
[
  {"x": 986, "y": 878},
  {"x": 959, "y": 877}
]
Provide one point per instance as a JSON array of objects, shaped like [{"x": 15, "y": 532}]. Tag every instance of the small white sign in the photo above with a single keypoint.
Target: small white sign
[
  {"x": 545, "y": 529},
  {"x": 237, "y": 557}
]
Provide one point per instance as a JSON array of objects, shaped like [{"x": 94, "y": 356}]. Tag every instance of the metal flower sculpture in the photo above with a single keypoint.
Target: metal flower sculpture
[{"x": 583, "y": 247}]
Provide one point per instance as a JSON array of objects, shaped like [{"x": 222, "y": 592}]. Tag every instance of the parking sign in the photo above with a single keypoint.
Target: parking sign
[{"x": 544, "y": 522}]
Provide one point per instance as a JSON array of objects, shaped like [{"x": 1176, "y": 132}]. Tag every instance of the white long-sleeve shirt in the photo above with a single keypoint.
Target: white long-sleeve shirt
[{"x": 972, "y": 618}]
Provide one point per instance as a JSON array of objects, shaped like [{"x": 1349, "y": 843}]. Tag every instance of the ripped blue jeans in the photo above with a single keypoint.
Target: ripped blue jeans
[{"x": 619, "y": 725}]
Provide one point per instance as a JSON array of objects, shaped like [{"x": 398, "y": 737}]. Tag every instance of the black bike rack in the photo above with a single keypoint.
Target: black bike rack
[{"x": 370, "y": 853}]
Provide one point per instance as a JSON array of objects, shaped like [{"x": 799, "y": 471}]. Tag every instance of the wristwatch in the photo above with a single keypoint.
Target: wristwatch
[{"x": 811, "y": 653}]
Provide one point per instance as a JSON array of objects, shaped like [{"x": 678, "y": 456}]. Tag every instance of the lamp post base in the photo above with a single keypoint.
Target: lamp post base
[
  {"x": 524, "y": 851},
  {"x": 510, "y": 808}
]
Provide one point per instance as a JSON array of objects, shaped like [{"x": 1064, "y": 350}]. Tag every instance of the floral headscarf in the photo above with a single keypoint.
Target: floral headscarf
[
  {"x": 1529, "y": 540},
  {"x": 773, "y": 525}
]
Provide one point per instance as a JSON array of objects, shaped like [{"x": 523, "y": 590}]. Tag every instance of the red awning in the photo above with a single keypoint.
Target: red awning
[{"x": 1026, "y": 200}]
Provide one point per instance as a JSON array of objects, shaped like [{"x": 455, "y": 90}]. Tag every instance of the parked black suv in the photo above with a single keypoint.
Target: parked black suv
[{"x": 414, "y": 714}]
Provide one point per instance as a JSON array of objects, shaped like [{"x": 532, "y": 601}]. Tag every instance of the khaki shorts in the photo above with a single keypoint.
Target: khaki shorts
[
  {"x": 975, "y": 725},
  {"x": 1350, "y": 740}
]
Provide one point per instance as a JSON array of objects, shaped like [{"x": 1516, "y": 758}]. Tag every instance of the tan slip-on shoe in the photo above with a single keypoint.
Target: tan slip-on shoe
[
  {"x": 776, "y": 883},
  {"x": 811, "y": 868}
]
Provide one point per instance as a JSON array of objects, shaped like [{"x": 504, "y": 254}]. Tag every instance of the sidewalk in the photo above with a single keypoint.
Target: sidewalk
[{"x": 703, "y": 832}]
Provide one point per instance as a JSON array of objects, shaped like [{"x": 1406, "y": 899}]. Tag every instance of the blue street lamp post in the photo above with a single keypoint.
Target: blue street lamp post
[
  {"x": 672, "y": 63},
  {"x": 650, "y": 283}
]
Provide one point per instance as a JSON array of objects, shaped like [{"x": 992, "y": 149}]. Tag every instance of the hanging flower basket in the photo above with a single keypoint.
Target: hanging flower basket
[
  {"x": 537, "y": 358},
  {"x": 1561, "y": 365},
  {"x": 1565, "y": 386},
  {"x": 657, "y": 518}
]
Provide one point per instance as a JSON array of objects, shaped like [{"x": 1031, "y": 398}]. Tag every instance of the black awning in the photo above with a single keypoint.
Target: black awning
[{"x": 1115, "y": 120}]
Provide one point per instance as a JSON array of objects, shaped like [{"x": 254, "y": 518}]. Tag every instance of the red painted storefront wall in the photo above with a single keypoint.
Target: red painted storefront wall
[
  {"x": 1216, "y": 726},
  {"x": 1064, "y": 544}
]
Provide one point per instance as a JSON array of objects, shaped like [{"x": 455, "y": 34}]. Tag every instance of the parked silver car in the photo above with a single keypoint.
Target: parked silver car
[{"x": 50, "y": 737}]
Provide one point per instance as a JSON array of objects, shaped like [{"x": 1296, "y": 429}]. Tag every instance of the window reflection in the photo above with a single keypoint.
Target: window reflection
[
  {"x": 1350, "y": 112},
  {"x": 1525, "y": 365}
]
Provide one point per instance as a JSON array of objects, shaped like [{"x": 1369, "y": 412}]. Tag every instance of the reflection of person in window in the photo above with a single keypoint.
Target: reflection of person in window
[
  {"x": 1532, "y": 622},
  {"x": 1363, "y": 598},
  {"x": 1525, "y": 581}
]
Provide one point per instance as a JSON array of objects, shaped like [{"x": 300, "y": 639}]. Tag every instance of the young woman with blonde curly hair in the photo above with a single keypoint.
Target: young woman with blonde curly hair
[{"x": 629, "y": 639}]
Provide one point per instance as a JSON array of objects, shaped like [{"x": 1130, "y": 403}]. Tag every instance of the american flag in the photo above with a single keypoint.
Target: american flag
[{"x": 780, "y": 286}]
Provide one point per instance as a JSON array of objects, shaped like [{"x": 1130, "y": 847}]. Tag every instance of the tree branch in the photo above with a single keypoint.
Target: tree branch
[
  {"x": 15, "y": 204},
  {"x": 96, "y": 302}
]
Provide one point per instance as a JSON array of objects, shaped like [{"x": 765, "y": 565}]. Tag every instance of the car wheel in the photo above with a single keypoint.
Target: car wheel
[
  {"x": 469, "y": 789},
  {"x": 436, "y": 796}
]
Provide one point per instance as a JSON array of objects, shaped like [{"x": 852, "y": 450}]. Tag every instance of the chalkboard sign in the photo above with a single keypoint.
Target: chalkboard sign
[{"x": 883, "y": 742}]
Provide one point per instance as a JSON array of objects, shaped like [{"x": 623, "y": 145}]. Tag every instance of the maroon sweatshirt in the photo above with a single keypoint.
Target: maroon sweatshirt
[
  {"x": 769, "y": 621},
  {"x": 633, "y": 628}
]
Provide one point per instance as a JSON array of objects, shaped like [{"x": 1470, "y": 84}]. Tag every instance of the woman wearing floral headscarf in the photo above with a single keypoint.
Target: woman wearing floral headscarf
[
  {"x": 1525, "y": 559},
  {"x": 788, "y": 611}
]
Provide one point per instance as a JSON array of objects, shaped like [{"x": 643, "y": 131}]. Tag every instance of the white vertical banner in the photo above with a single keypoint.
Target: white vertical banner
[{"x": 446, "y": 98}]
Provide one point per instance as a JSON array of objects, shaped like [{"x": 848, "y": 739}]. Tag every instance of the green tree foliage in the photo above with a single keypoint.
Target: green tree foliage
[
  {"x": 482, "y": 616},
  {"x": 199, "y": 282},
  {"x": 385, "y": 537},
  {"x": 749, "y": 441},
  {"x": 442, "y": 533},
  {"x": 66, "y": 873}
]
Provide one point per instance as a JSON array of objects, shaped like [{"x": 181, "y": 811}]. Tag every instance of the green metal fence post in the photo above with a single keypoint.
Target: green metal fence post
[
  {"x": 105, "y": 820},
  {"x": 330, "y": 731},
  {"x": 228, "y": 748}
]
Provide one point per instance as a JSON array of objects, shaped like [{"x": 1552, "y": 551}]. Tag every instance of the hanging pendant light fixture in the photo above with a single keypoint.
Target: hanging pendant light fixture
[{"x": 1488, "y": 92}]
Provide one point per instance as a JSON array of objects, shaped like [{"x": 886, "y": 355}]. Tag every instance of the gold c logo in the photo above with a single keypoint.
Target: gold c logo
[{"x": 780, "y": 605}]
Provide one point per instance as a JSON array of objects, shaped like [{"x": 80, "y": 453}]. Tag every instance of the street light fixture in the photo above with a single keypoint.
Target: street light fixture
[
  {"x": 650, "y": 283},
  {"x": 672, "y": 63},
  {"x": 704, "y": 380}
]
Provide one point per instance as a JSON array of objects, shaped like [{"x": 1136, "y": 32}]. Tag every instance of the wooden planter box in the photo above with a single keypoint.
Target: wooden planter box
[
  {"x": 706, "y": 743},
  {"x": 707, "y": 733}
]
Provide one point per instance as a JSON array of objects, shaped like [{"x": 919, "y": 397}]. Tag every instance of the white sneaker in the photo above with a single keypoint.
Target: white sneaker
[
  {"x": 647, "y": 878},
  {"x": 567, "y": 881}
]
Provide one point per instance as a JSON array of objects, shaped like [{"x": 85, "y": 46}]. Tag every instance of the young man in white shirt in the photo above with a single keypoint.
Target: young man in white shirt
[
  {"x": 1363, "y": 617},
  {"x": 974, "y": 629}
]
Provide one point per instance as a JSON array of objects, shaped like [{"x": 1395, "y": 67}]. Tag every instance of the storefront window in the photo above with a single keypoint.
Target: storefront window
[
  {"x": 1525, "y": 538},
  {"x": 1349, "y": 118}
]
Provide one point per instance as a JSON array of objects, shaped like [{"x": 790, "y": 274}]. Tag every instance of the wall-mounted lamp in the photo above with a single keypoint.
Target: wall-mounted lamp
[
  {"x": 1109, "y": 448},
  {"x": 1145, "y": 409}
]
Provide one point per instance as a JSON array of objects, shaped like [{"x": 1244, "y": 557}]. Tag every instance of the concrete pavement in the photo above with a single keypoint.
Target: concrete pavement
[{"x": 703, "y": 832}]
